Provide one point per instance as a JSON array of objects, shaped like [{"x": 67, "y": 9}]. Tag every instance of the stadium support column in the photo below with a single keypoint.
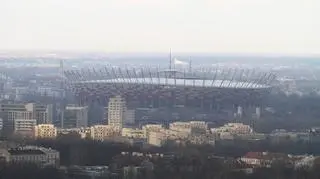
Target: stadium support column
[
  {"x": 258, "y": 112},
  {"x": 202, "y": 102},
  {"x": 173, "y": 99},
  {"x": 152, "y": 102},
  {"x": 211, "y": 104},
  {"x": 186, "y": 100},
  {"x": 239, "y": 111}
]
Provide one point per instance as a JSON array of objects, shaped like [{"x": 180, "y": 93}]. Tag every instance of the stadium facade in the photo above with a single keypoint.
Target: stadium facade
[{"x": 210, "y": 89}]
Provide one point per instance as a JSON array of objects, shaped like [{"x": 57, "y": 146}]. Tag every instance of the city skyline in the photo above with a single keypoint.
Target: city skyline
[{"x": 246, "y": 27}]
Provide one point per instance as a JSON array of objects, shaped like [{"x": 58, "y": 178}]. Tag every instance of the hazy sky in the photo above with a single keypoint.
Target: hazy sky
[{"x": 222, "y": 26}]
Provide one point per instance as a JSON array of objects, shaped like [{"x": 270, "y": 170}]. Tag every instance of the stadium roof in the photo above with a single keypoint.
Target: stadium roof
[{"x": 183, "y": 82}]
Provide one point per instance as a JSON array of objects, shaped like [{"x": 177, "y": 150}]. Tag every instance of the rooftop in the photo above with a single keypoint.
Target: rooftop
[
  {"x": 25, "y": 152},
  {"x": 266, "y": 155},
  {"x": 183, "y": 82}
]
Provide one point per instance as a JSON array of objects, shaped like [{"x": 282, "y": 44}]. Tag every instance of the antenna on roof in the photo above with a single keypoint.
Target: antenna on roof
[
  {"x": 170, "y": 60},
  {"x": 190, "y": 65}
]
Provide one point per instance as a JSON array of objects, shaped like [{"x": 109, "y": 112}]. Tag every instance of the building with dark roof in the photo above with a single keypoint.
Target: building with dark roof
[{"x": 37, "y": 155}]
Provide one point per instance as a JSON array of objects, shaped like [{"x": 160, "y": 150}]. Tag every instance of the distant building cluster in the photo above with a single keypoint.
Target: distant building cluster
[
  {"x": 21, "y": 119},
  {"x": 266, "y": 159},
  {"x": 36, "y": 121}
]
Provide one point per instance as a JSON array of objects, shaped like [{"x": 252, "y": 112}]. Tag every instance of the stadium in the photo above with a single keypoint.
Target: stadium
[{"x": 209, "y": 89}]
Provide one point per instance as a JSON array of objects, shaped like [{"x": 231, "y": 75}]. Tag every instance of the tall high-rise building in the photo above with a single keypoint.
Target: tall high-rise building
[
  {"x": 23, "y": 122},
  {"x": 129, "y": 117},
  {"x": 116, "y": 112},
  {"x": 75, "y": 117},
  {"x": 1, "y": 124}
]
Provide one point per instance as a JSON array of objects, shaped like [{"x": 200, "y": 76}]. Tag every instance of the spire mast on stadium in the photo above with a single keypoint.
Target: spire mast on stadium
[
  {"x": 170, "y": 59},
  {"x": 190, "y": 65}
]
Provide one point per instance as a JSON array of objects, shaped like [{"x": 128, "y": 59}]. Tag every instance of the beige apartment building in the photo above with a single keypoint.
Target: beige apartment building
[
  {"x": 46, "y": 131},
  {"x": 133, "y": 133},
  {"x": 102, "y": 132},
  {"x": 116, "y": 112}
]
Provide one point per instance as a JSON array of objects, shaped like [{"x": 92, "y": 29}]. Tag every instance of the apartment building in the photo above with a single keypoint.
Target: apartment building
[
  {"x": 132, "y": 133},
  {"x": 156, "y": 138},
  {"x": 116, "y": 112},
  {"x": 75, "y": 117},
  {"x": 233, "y": 128},
  {"x": 101, "y": 132},
  {"x": 151, "y": 128},
  {"x": 47, "y": 131}
]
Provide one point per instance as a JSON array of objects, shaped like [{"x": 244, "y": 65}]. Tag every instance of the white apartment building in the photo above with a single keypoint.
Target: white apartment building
[
  {"x": 233, "y": 128},
  {"x": 199, "y": 125},
  {"x": 188, "y": 127},
  {"x": 176, "y": 134},
  {"x": 101, "y": 132},
  {"x": 116, "y": 112},
  {"x": 151, "y": 128},
  {"x": 132, "y": 133},
  {"x": 47, "y": 131},
  {"x": 191, "y": 124},
  {"x": 24, "y": 122},
  {"x": 156, "y": 138},
  {"x": 75, "y": 117},
  {"x": 82, "y": 132},
  {"x": 202, "y": 139}
]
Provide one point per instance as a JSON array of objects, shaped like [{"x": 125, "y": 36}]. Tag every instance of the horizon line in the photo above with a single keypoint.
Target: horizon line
[{"x": 244, "y": 54}]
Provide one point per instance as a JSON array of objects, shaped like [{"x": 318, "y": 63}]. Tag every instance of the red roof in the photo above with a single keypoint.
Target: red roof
[{"x": 253, "y": 155}]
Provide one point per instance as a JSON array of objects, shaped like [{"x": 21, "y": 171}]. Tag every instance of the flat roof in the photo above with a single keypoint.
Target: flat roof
[
  {"x": 25, "y": 152},
  {"x": 182, "y": 82}
]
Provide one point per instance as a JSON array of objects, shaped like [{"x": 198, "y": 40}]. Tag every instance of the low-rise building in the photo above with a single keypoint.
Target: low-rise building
[
  {"x": 202, "y": 139},
  {"x": 101, "y": 132},
  {"x": 88, "y": 171},
  {"x": 32, "y": 154},
  {"x": 156, "y": 138},
  {"x": 265, "y": 159},
  {"x": 82, "y": 132},
  {"x": 4, "y": 155},
  {"x": 151, "y": 128},
  {"x": 47, "y": 131},
  {"x": 305, "y": 161},
  {"x": 233, "y": 128},
  {"x": 133, "y": 133},
  {"x": 189, "y": 125},
  {"x": 25, "y": 127}
]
